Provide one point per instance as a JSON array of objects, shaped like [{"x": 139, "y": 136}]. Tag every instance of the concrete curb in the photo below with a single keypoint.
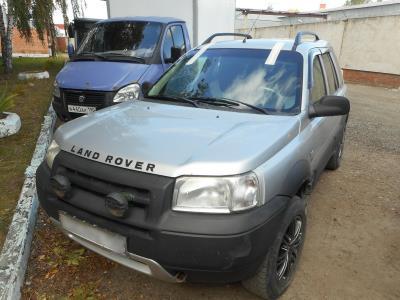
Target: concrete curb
[
  {"x": 15, "y": 253},
  {"x": 33, "y": 75}
]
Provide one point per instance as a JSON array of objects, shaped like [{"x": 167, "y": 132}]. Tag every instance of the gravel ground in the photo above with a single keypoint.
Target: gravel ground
[{"x": 352, "y": 248}]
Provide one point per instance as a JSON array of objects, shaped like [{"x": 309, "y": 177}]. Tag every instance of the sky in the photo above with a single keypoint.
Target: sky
[
  {"x": 98, "y": 8},
  {"x": 94, "y": 9}
]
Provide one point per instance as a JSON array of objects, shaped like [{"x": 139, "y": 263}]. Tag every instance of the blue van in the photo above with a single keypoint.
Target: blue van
[{"x": 117, "y": 61}]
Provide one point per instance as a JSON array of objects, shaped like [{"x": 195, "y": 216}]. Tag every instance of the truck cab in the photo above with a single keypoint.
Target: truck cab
[{"x": 115, "y": 61}]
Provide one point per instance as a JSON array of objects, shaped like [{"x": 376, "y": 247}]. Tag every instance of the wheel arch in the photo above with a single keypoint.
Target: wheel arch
[{"x": 298, "y": 179}]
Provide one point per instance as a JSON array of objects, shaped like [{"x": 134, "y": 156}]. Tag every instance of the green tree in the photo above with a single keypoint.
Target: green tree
[
  {"x": 22, "y": 14},
  {"x": 6, "y": 32}
]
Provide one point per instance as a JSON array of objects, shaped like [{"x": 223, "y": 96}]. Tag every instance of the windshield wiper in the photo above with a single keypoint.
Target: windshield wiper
[
  {"x": 122, "y": 55},
  {"x": 228, "y": 102},
  {"x": 173, "y": 98},
  {"x": 83, "y": 54}
]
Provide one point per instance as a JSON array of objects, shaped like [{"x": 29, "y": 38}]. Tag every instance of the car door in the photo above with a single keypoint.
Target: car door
[
  {"x": 334, "y": 124},
  {"x": 174, "y": 37},
  {"x": 318, "y": 126},
  {"x": 325, "y": 129}
]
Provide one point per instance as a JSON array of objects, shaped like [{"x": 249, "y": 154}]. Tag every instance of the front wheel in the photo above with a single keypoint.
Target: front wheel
[{"x": 276, "y": 272}]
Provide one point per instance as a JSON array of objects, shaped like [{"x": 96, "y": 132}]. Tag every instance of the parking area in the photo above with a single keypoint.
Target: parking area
[{"x": 352, "y": 248}]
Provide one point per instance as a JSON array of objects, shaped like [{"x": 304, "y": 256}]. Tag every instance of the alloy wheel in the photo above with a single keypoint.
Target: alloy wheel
[{"x": 289, "y": 249}]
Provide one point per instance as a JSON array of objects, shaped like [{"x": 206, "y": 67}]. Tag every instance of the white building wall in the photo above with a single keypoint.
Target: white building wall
[
  {"x": 364, "y": 44},
  {"x": 181, "y": 9},
  {"x": 203, "y": 17},
  {"x": 215, "y": 16}
]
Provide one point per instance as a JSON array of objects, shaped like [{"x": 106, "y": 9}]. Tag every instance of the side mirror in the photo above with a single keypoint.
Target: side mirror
[
  {"x": 70, "y": 30},
  {"x": 146, "y": 86},
  {"x": 329, "y": 106},
  {"x": 175, "y": 54}
]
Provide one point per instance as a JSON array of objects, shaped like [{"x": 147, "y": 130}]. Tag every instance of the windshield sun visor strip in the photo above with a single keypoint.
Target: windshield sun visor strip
[
  {"x": 199, "y": 53},
  {"x": 273, "y": 55}
]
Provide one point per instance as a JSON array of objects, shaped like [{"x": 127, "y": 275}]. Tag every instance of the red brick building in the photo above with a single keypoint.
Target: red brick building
[{"x": 35, "y": 46}]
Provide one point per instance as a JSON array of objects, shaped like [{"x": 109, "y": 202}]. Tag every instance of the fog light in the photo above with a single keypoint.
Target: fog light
[
  {"x": 61, "y": 186},
  {"x": 117, "y": 204}
]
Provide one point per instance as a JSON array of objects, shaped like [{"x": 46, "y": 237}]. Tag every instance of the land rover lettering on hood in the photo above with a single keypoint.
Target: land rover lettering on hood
[{"x": 203, "y": 179}]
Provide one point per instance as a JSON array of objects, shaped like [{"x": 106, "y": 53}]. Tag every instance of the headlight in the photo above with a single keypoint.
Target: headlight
[
  {"x": 216, "y": 194},
  {"x": 52, "y": 151},
  {"x": 130, "y": 92},
  {"x": 56, "y": 90}
]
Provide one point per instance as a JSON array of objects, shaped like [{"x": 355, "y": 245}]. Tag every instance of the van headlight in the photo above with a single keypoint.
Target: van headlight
[
  {"x": 129, "y": 92},
  {"x": 216, "y": 194},
  {"x": 56, "y": 89},
  {"x": 52, "y": 151}
]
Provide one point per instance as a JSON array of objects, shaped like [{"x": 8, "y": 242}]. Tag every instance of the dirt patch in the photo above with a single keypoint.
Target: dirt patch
[{"x": 352, "y": 248}]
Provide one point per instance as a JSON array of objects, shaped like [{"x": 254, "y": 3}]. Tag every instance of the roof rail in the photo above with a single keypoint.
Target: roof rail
[
  {"x": 246, "y": 36},
  {"x": 299, "y": 35}
]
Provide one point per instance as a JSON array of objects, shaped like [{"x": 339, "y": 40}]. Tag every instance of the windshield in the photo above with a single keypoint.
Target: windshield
[
  {"x": 239, "y": 75},
  {"x": 129, "y": 38}
]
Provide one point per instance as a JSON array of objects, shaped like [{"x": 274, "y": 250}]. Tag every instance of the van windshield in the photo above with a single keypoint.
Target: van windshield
[
  {"x": 239, "y": 75},
  {"x": 125, "y": 38}
]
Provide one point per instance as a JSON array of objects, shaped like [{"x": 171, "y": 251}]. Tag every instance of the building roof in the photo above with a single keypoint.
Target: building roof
[
  {"x": 360, "y": 6},
  {"x": 163, "y": 20}
]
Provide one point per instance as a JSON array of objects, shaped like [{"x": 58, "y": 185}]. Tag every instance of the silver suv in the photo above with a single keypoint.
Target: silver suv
[{"x": 205, "y": 178}]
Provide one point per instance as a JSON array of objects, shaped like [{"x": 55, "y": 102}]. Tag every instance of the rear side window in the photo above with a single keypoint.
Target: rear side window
[
  {"x": 318, "y": 89},
  {"x": 330, "y": 73},
  {"x": 178, "y": 37}
]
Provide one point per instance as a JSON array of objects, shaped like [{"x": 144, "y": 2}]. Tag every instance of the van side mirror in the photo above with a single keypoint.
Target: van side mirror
[
  {"x": 146, "y": 86},
  {"x": 175, "y": 54},
  {"x": 329, "y": 106},
  {"x": 70, "y": 30}
]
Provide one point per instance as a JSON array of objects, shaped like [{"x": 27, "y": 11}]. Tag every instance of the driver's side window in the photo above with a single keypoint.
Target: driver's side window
[
  {"x": 318, "y": 89},
  {"x": 168, "y": 44}
]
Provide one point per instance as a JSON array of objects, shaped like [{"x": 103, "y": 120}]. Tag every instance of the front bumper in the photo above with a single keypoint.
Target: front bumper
[
  {"x": 130, "y": 260},
  {"x": 177, "y": 245}
]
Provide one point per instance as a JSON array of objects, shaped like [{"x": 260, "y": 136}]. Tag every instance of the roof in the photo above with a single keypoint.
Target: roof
[
  {"x": 268, "y": 44},
  {"x": 163, "y": 20},
  {"x": 366, "y": 5}
]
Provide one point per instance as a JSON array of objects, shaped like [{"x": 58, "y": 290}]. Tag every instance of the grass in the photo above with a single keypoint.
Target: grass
[{"x": 31, "y": 104}]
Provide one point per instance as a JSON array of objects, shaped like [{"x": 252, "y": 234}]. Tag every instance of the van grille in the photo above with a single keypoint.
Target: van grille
[{"x": 96, "y": 99}]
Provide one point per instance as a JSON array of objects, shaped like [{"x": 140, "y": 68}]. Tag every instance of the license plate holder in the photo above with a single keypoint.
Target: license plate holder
[{"x": 94, "y": 234}]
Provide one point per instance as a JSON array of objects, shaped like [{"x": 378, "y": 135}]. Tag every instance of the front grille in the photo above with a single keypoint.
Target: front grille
[
  {"x": 103, "y": 188},
  {"x": 91, "y": 181},
  {"x": 90, "y": 98}
]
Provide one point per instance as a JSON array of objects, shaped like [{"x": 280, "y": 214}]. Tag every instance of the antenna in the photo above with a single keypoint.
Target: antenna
[{"x": 255, "y": 21}]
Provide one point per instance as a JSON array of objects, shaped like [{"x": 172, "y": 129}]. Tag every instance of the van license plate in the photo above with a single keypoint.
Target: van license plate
[
  {"x": 96, "y": 235},
  {"x": 81, "y": 109}
]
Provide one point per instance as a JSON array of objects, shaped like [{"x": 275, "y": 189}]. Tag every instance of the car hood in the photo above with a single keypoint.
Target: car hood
[
  {"x": 99, "y": 75},
  {"x": 177, "y": 140}
]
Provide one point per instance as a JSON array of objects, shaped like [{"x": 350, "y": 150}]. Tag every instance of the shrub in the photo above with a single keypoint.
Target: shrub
[{"x": 6, "y": 101}]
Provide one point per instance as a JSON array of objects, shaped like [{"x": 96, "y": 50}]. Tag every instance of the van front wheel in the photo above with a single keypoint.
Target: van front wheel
[{"x": 276, "y": 272}]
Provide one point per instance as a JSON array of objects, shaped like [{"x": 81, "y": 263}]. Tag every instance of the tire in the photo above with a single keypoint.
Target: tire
[{"x": 271, "y": 280}]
